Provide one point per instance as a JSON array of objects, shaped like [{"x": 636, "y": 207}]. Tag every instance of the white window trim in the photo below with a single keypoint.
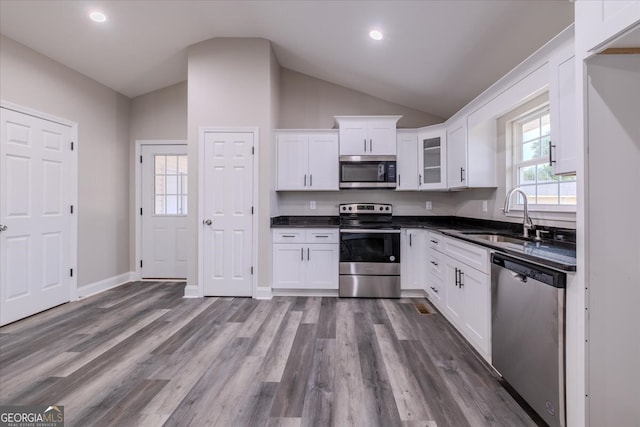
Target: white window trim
[{"x": 543, "y": 212}]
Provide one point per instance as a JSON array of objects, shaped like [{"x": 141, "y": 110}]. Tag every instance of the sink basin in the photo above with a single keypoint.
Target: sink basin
[{"x": 499, "y": 238}]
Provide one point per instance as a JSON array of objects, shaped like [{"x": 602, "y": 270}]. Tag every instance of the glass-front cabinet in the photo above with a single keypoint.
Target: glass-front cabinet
[{"x": 432, "y": 155}]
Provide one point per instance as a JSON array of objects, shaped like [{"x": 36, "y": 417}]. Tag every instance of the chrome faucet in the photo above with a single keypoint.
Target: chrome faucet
[{"x": 527, "y": 224}]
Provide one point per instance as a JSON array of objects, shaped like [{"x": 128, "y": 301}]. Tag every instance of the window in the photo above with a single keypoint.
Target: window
[
  {"x": 170, "y": 184},
  {"x": 531, "y": 168}
]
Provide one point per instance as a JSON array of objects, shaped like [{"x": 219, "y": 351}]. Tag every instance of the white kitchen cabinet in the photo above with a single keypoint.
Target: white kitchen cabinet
[
  {"x": 434, "y": 274},
  {"x": 471, "y": 159},
  {"x": 467, "y": 292},
  {"x": 367, "y": 135},
  {"x": 407, "y": 160},
  {"x": 605, "y": 20},
  {"x": 305, "y": 258},
  {"x": 563, "y": 153},
  {"x": 412, "y": 259},
  {"x": 432, "y": 158},
  {"x": 307, "y": 161}
]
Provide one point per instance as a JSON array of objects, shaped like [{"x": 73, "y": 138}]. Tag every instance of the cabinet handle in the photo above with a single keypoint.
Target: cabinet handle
[
  {"x": 434, "y": 289},
  {"x": 410, "y": 241},
  {"x": 365, "y": 145},
  {"x": 435, "y": 242},
  {"x": 305, "y": 179},
  {"x": 420, "y": 179},
  {"x": 461, "y": 279},
  {"x": 288, "y": 235},
  {"x": 551, "y": 147},
  {"x": 308, "y": 257},
  {"x": 434, "y": 263},
  {"x": 301, "y": 254},
  {"x": 399, "y": 184},
  {"x": 310, "y": 180},
  {"x": 322, "y": 235},
  {"x": 457, "y": 282},
  {"x": 370, "y": 145},
  {"x": 462, "y": 177}
]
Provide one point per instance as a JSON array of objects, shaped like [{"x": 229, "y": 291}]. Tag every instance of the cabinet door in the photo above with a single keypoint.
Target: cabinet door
[
  {"x": 562, "y": 97},
  {"x": 381, "y": 138},
  {"x": 603, "y": 20},
  {"x": 323, "y": 162},
  {"x": 407, "y": 161},
  {"x": 292, "y": 161},
  {"x": 412, "y": 259},
  {"x": 457, "y": 154},
  {"x": 477, "y": 303},
  {"x": 322, "y": 266},
  {"x": 454, "y": 294},
  {"x": 432, "y": 159},
  {"x": 288, "y": 266},
  {"x": 353, "y": 138}
]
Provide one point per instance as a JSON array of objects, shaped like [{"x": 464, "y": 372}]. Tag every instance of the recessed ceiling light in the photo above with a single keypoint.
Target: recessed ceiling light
[
  {"x": 98, "y": 17},
  {"x": 376, "y": 35}
]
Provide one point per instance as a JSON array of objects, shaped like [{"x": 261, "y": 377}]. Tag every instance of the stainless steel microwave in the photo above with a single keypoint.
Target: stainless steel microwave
[{"x": 367, "y": 171}]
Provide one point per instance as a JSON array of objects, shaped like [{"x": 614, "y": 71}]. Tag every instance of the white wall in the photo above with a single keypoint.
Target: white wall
[
  {"x": 310, "y": 103},
  {"x": 161, "y": 114},
  {"x": 32, "y": 80},
  {"x": 231, "y": 84}
]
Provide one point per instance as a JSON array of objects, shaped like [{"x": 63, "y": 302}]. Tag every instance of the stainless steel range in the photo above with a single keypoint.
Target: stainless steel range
[{"x": 369, "y": 251}]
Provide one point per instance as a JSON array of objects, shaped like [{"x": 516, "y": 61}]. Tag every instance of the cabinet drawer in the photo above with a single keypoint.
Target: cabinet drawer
[
  {"x": 322, "y": 235},
  {"x": 434, "y": 264},
  {"x": 289, "y": 235},
  {"x": 435, "y": 241},
  {"x": 467, "y": 253}
]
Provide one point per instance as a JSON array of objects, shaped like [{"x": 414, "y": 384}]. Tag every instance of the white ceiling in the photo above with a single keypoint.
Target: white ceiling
[{"x": 436, "y": 55}]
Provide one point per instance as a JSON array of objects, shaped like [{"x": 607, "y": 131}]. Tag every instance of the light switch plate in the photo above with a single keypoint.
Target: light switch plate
[
  {"x": 428, "y": 206},
  {"x": 312, "y": 204},
  {"x": 485, "y": 205}
]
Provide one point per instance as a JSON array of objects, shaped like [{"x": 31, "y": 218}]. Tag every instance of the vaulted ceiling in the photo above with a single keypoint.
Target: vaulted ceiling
[{"x": 435, "y": 56}]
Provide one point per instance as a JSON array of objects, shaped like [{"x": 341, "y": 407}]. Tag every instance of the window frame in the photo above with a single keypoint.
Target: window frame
[{"x": 514, "y": 156}]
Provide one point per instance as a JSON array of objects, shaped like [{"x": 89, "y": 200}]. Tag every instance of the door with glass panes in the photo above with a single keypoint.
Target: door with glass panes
[
  {"x": 432, "y": 158},
  {"x": 164, "y": 212}
]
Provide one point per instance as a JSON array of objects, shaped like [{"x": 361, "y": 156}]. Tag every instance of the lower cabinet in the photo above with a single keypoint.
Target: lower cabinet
[
  {"x": 434, "y": 274},
  {"x": 305, "y": 263},
  {"x": 412, "y": 247}
]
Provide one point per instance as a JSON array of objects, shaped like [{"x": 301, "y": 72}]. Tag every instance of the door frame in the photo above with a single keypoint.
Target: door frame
[
  {"x": 73, "y": 235},
  {"x": 138, "y": 195},
  {"x": 256, "y": 210}
]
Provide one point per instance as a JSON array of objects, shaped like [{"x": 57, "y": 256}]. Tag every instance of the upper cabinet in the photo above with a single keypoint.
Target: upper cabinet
[
  {"x": 367, "y": 135},
  {"x": 307, "y": 160},
  {"x": 471, "y": 155},
  {"x": 457, "y": 154},
  {"x": 432, "y": 158},
  {"x": 562, "y": 104},
  {"x": 601, "y": 21},
  {"x": 407, "y": 160}
]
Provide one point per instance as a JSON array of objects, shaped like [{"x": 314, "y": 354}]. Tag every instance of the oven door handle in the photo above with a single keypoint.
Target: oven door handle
[{"x": 367, "y": 230}]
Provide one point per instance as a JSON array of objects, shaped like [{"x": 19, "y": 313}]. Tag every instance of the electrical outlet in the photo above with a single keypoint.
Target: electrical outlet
[
  {"x": 485, "y": 205},
  {"x": 312, "y": 204},
  {"x": 428, "y": 206}
]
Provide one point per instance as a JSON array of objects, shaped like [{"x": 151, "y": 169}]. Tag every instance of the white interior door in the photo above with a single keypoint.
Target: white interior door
[
  {"x": 35, "y": 215},
  {"x": 227, "y": 201},
  {"x": 164, "y": 212}
]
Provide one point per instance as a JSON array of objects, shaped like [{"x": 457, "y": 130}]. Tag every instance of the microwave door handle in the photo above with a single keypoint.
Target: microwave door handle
[
  {"x": 371, "y": 145},
  {"x": 365, "y": 145}
]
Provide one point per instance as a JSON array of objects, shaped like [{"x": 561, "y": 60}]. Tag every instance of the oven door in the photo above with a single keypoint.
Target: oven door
[{"x": 369, "y": 248}]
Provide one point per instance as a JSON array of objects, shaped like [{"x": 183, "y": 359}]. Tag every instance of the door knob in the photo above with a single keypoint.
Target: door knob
[
  {"x": 207, "y": 222},
  {"x": 3, "y": 228}
]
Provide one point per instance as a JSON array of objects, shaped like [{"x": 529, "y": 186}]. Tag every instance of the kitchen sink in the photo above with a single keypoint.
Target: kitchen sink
[{"x": 499, "y": 238}]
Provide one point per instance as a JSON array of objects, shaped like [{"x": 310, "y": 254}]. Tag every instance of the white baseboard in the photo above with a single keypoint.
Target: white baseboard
[
  {"x": 305, "y": 292},
  {"x": 105, "y": 284},
  {"x": 413, "y": 293},
  {"x": 191, "y": 292},
  {"x": 263, "y": 292}
]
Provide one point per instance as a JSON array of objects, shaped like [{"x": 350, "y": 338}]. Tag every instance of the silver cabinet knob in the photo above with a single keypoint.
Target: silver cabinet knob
[
  {"x": 207, "y": 222},
  {"x": 3, "y": 228}
]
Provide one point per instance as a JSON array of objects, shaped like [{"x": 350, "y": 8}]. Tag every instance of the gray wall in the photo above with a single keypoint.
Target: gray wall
[
  {"x": 310, "y": 103},
  {"x": 35, "y": 81},
  {"x": 231, "y": 84},
  {"x": 469, "y": 202},
  {"x": 161, "y": 114}
]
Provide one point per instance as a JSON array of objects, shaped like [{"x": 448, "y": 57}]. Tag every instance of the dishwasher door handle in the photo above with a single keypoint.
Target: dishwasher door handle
[{"x": 518, "y": 276}]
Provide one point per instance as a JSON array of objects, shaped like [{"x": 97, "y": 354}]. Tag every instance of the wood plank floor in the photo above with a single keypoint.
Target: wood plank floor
[{"x": 142, "y": 355}]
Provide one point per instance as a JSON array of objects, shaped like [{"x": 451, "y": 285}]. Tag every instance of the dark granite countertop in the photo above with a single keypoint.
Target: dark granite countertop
[{"x": 557, "y": 250}]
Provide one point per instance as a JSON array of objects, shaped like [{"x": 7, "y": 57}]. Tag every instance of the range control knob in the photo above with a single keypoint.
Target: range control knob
[
  {"x": 388, "y": 208},
  {"x": 350, "y": 208},
  {"x": 381, "y": 208}
]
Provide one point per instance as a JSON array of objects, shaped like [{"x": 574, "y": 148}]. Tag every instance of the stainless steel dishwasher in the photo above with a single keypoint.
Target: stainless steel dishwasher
[{"x": 527, "y": 326}]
